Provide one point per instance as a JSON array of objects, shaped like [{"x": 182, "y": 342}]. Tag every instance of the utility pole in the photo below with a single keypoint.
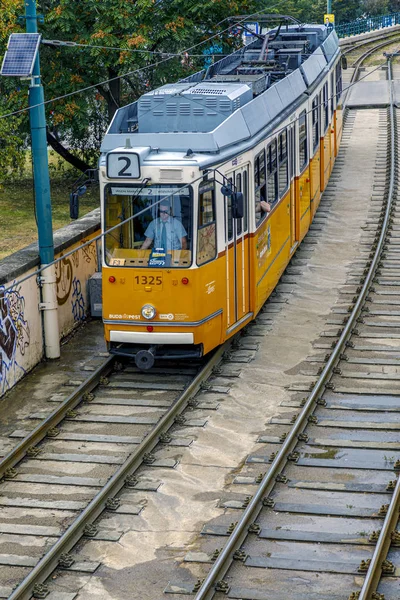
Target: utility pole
[
  {"x": 329, "y": 7},
  {"x": 48, "y": 304}
]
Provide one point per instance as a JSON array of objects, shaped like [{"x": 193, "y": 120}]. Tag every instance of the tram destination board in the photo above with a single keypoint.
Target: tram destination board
[{"x": 19, "y": 59}]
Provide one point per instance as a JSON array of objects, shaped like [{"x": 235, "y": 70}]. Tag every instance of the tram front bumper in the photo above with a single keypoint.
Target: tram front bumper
[{"x": 147, "y": 337}]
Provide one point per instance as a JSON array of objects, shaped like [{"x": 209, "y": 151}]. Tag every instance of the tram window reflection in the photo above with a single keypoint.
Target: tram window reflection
[
  {"x": 207, "y": 232},
  {"x": 160, "y": 235}
]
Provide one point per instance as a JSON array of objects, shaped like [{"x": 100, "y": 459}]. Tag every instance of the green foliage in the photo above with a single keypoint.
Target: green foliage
[
  {"x": 132, "y": 27},
  {"x": 12, "y": 158}
]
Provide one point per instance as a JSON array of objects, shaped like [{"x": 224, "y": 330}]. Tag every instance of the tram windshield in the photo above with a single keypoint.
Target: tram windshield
[{"x": 161, "y": 233}]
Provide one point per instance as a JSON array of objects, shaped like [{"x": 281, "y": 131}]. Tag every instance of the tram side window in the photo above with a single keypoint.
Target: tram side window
[
  {"x": 303, "y": 141},
  {"x": 338, "y": 81},
  {"x": 239, "y": 222},
  {"x": 315, "y": 122},
  {"x": 228, "y": 214},
  {"x": 259, "y": 185},
  {"x": 207, "y": 232},
  {"x": 272, "y": 173},
  {"x": 326, "y": 107},
  {"x": 333, "y": 96},
  {"x": 245, "y": 190},
  {"x": 283, "y": 164}
]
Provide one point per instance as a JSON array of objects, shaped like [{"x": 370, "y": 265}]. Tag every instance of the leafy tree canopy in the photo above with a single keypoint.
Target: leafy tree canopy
[{"x": 113, "y": 37}]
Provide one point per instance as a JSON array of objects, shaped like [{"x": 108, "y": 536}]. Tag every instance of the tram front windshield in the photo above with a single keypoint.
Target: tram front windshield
[{"x": 161, "y": 233}]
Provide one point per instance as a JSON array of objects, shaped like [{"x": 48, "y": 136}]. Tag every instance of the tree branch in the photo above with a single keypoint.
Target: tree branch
[{"x": 66, "y": 154}]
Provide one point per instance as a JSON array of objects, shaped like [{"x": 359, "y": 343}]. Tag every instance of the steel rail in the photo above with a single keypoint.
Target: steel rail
[
  {"x": 40, "y": 432},
  {"x": 351, "y": 47},
  {"x": 75, "y": 531},
  {"x": 384, "y": 541},
  {"x": 225, "y": 558},
  {"x": 357, "y": 64}
]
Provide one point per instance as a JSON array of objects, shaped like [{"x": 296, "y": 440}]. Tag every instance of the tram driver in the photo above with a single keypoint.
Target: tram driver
[{"x": 166, "y": 231}]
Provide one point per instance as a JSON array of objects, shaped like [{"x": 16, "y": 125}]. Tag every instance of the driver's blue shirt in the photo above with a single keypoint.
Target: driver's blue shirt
[{"x": 174, "y": 229}]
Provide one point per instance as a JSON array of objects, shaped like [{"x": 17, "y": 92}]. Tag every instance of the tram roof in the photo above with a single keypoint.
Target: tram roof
[{"x": 224, "y": 109}]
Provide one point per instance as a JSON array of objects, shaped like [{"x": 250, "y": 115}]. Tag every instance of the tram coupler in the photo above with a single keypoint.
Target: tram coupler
[{"x": 144, "y": 359}]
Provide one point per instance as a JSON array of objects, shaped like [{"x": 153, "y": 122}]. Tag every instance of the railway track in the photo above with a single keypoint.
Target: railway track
[
  {"x": 112, "y": 425},
  {"x": 88, "y": 423},
  {"x": 323, "y": 522}
]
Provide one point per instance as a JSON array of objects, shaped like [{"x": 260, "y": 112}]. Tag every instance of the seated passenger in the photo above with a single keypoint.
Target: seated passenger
[{"x": 165, "y": 232}]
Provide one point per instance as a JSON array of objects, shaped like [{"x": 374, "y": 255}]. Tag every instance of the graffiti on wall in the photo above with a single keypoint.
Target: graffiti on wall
[
  {"x": 64, "y": 276},
  {"x": 78, "y": 301},
  {"x": 71, "y": 280},
  {"x": 14, "y": 336}
]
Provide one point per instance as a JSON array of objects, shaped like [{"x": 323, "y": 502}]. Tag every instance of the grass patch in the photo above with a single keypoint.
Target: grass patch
[{"x": 17, "y": 217}]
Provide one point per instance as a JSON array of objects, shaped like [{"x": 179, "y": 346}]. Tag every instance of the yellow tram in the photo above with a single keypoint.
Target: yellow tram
[{"x": 209, "y": 185}]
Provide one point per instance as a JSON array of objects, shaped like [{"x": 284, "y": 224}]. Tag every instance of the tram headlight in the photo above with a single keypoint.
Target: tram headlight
[{"x": 148, "y": 312}]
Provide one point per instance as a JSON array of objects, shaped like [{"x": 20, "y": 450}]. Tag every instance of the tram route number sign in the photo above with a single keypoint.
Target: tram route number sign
[{"x": 123, "y": 165}]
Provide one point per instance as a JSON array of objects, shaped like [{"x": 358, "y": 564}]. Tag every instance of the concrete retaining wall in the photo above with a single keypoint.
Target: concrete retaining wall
[{"x": 21, "y": 337}]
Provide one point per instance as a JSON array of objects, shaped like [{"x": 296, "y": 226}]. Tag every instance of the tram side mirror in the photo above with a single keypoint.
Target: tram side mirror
[
  {"x": 73, "y": 205},
  {"x": 74, "y": 202},
  {"x": 237, "y": 205},
  {"x": 344, "y": 63}
]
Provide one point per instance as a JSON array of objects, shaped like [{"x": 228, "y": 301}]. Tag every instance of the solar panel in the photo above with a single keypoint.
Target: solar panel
[{"x": 21, "y": 54}]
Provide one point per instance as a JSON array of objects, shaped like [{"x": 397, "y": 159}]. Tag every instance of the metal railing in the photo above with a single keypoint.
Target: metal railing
[{"x": 365, "y": 25}]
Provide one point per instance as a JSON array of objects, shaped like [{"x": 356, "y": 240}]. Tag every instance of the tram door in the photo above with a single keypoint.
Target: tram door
[
  {"x": 237, "y": 246},
  {"x": 294, "y": 234}
]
